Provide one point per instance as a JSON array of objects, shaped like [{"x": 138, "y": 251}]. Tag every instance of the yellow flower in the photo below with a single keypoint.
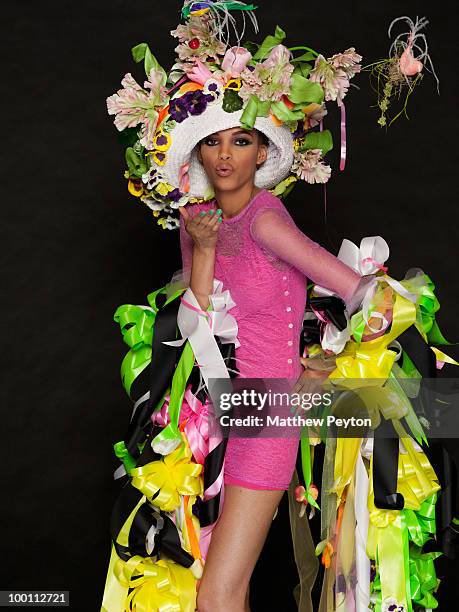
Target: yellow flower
[
  {"x": 163, "y": 188},
  {"x": 234, "y": 84},
  {"x": 159, "y": 157},
  {"x": 135, "y": 187},
  {"x": 162, "y": 140}
]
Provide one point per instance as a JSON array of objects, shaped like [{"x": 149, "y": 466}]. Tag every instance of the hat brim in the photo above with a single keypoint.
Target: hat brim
[{"x": 186, "y": 135}]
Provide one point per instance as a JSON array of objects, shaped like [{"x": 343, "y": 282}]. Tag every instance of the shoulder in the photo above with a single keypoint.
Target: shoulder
[{"x": 269, "y": 211}]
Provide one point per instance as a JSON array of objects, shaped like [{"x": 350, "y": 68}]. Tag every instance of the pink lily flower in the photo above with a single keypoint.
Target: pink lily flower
[
  {"x": 200, "y": 73},
  {"x": 235, "y": 60}
]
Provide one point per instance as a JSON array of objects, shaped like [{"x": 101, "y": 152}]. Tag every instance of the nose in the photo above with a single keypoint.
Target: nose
[{"x": 224, "y": 152}]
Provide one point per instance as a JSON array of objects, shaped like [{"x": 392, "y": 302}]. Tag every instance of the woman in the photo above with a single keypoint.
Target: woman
[
  {"x": 219, "y": 139},
  {"x": 247, "y": 239}
]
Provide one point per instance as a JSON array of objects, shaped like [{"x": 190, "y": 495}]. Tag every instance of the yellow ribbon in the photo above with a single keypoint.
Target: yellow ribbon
[
  {"x": 173, "y": 475},
  {"x": 358, "y": 363},
  {"x": 158, "y": 586}
]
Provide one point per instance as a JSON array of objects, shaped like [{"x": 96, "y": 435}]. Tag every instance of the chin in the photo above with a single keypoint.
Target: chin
[{"x": 230, "y": 183}]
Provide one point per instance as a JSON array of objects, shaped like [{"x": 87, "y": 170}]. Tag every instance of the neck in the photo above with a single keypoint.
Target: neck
[{"x": 233, "y": 202}]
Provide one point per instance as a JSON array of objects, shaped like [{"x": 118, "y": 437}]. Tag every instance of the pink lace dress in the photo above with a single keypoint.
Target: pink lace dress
[{"x": 265, "y": 261}]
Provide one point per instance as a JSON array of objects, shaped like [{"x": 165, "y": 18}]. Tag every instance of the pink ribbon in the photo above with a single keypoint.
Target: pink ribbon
[
  {"x": 342, "y": 162},
  {"x": 378, "y": 265},
  {"x": 208, "y": 315},
  {"x": 195, "y": 415}
]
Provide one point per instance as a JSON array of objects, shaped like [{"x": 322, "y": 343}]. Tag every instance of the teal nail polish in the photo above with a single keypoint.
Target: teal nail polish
[
  {"x": 219, "y": 211},
  {"x": 211, "y": 211},
  {"x": 220, "y": 219},
  {"x": 202, "y": 213}
]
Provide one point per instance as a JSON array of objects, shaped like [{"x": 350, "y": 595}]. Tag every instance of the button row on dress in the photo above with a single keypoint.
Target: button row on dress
[{"x": 288, "y": 309}]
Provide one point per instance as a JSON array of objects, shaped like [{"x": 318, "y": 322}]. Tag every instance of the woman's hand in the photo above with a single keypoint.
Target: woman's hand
[
  {"x": 310, "y": 381},
  {"x": 203, "y": 229}
]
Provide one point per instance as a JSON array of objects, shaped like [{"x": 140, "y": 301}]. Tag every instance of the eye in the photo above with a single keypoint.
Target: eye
[
  {"x": 243, "y": 141},
  {"x": 210, "y": 142}
]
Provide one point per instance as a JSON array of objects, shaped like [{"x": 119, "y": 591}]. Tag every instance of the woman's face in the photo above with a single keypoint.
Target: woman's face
[{"x": 230, "y": 157}]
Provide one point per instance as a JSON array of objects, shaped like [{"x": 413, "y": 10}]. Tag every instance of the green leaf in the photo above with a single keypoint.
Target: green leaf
[
  {"x": 138, "y": 52},
  {"x": 283, "y": 113},
  {"x": 135, "y": 163},
  {"x": 251, "y": 46},
  {"x": 318, "y": 140},
  {"x": 232, "y": 102},
  {"x": 302, "y": 69},
  {"x": 142, "y": 52},
  {"x": 303, "y": 90},
  {"x": 303, "y": 58},
  {"x": 128, "y": 136},
  {"x": 269, "y": 43}
]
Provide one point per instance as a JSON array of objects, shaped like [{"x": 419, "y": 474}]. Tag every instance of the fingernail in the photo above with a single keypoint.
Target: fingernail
[
  {"x": 202, "y": 213},
  {"x": 219, "y": 211},
  {"x": 220, "y": 219},
  {"x": 211, "y": 211}
]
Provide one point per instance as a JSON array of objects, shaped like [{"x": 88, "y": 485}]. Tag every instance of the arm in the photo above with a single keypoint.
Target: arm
[
  {"x": 274, "y": 230},
  {"x": 198, "y": 255}
]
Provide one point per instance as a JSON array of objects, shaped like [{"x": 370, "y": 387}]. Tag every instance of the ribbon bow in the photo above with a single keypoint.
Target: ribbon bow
[
  {"x": 194, "y": 418},
  {"x": 163, "y": 481}
]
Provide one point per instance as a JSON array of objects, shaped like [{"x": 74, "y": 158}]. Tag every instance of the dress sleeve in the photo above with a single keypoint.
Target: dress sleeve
[{"x": 275, "y": 231}]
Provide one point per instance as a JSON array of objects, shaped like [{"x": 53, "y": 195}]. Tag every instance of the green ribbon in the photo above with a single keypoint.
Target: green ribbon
[
  {"x": 179, "y": 381},
  {"x": 123, "y": 454},
  {"x": 254, "y": 108},
  {"x": 307, "y": 469},
  {"x": 230, "y": 6},
  {"x": 137, "y": 326},
  {"x": 418, "y": 526}
]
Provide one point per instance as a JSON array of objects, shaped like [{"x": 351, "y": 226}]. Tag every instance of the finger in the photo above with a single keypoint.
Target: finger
[{"x": 184, "y": 213}]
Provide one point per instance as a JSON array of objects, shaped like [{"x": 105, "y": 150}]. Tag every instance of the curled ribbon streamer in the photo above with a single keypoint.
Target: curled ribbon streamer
[{"x": 163, "y": 481}]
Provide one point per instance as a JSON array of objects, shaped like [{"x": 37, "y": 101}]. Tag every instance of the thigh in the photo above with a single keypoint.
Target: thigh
[{"x": 237, "y": 541}]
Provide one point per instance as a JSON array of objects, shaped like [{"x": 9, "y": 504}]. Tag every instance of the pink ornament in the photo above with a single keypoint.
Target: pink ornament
[
  {"x": 235, "y": 60},
  {"x": 409, "y": 65}
]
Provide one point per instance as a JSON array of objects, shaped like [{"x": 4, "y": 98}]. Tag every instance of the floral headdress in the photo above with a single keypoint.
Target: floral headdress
[{"x": 276, "y": 89}]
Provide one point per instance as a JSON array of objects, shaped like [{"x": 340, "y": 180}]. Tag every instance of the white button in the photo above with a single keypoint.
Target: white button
[
  {"x": 286, "y": 292},
  {"x": 290, "y": 325},
  {"x": 288, "y": 309},
  {"x": 290, "y": 342},
  {"x": 284, "y": 278},
  {"x": 289, "y": 361}
]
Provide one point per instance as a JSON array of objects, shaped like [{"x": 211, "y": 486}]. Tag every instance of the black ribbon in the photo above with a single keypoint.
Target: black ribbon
[{"x": 141, "y": 430}]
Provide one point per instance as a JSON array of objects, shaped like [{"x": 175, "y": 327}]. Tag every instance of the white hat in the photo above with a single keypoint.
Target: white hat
[{"x": 186, "y": 135}]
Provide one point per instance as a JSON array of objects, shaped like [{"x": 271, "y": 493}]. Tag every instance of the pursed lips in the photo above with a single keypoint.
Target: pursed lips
[{"x": 224, "y": 169}]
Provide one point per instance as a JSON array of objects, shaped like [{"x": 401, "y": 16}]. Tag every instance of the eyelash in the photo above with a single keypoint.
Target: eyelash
[{"x": 214, "y": 140}]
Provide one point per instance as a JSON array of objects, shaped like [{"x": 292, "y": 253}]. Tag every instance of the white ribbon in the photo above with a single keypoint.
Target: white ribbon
[
  {"x": 194, "y": 326},
  {"x": 362, "y": 562},
  {"x": 366, "y": 260},
  {"x": 154, "y": 529}
]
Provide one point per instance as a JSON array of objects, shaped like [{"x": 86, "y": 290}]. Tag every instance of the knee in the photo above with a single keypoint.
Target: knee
[{"x": 221, "y": 598}]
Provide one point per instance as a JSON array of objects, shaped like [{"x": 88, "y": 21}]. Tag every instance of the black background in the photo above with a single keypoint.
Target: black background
[{"x": 77, "y": 245}]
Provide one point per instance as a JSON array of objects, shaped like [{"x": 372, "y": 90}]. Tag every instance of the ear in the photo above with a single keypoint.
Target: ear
[{"x": 262, "y": 154}]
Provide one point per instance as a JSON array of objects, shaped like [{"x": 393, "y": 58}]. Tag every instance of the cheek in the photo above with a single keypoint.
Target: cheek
[{"x": 247, "y": 159}]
